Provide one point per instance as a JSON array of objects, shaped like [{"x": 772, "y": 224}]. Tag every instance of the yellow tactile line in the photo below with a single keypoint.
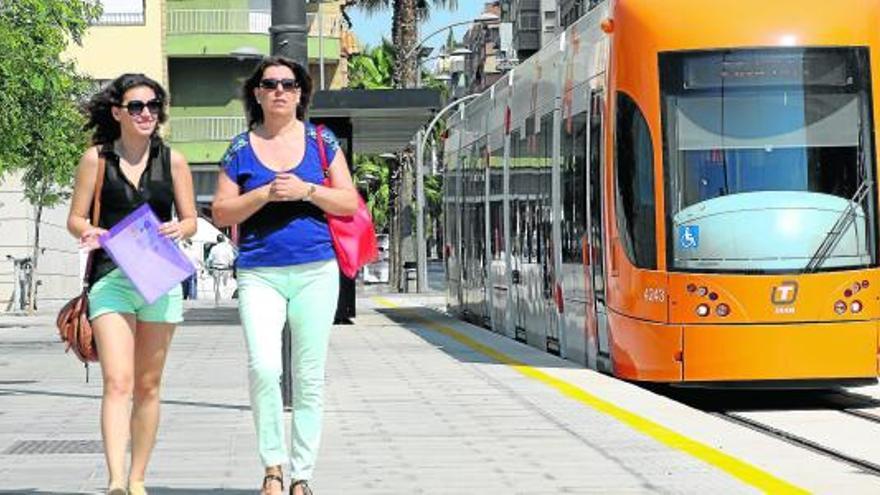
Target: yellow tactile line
[{"x": 737, "y": 468}]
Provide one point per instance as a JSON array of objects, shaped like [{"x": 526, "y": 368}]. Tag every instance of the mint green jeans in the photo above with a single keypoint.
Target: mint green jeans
[{"x": 305, "y": 296}]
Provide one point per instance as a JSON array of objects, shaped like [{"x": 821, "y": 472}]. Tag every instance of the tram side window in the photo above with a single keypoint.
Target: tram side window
[
  {"x": 574, "y": 186},
  {"x": 515, "y": 223},
  {"x": 545, "y": 159},
  {"x": 634, "y": 157},
  {"x": 496, "y": 190}
]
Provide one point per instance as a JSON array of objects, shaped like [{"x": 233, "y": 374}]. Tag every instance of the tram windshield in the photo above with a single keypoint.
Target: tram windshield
[{"x": 769, "y": 161}]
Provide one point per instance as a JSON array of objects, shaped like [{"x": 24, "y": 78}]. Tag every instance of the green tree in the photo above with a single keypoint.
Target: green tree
[
  {"x": 371, "y": 175},
  {"x": 41, "y": 134},
  {"x": 406, "y": 15},
  {"x": 373, "y": 69}
]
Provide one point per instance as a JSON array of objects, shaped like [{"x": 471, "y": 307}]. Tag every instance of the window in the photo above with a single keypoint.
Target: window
[
  {"x": 765, "y": 151},
  {"x": 496, "y": 193},
  {"x": 574, "y": 185},
  {"x": 529, "y": 21},
  {"x": 634, "y": 163}
]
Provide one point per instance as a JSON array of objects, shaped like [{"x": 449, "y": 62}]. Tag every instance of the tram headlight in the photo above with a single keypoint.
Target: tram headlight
[
  {"x": 703, "y": 310},
  {"x": 856, "y": 287},
  {"x": 856, "y": 306},
  {"x": 702, "y": 291},
  {"x": 840, "y": 307},
  {"x": 722, "y": 310}
]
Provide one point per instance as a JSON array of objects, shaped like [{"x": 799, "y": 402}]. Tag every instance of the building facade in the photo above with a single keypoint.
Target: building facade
[
  {"x": 572, "y": 10},
  {"x": 483, "y": 41},
  {"x": 534, "y": 22}
]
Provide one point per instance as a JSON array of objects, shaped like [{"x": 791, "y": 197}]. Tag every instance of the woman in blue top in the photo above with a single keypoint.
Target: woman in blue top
[{"x": 271, "y": 185}]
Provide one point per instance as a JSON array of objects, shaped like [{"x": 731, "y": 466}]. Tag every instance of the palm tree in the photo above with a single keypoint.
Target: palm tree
[
  {"x": 372, "y": 69},
  {"x": 404, "y": 32}
]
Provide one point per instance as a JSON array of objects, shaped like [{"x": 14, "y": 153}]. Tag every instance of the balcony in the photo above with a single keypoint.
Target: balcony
[
  {"x": 218, "y": 32},
  {"x": 189, "y": 129},
  {"x": 219, "y": 21},
  {"x": 120, "y": 19},
  {"x": 204, "y": 139}
]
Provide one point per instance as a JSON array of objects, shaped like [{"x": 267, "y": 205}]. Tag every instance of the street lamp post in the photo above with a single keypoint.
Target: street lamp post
[
  {"x": 421, "y": 141},
  {"x": 421, "y": 137},
  {"x": 483, "y": 18}
]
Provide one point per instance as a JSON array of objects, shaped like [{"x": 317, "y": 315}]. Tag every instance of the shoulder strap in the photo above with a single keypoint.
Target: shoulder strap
[
  {"x": 321, "y": 151},
  {"x": 96, "y": 212},
  {"x": 99, "y": 184}
]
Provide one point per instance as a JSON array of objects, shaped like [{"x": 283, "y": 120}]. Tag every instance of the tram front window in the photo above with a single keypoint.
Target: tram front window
[{"x": 765, "y": 152}]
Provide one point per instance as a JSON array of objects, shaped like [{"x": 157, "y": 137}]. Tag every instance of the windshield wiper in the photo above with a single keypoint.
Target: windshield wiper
[{"x": 832, "y": 238}]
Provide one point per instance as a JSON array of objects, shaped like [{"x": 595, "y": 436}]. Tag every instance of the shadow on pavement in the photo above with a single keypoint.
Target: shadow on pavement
[
  {"x": 212, "y": 405},
  {"x": 414, "y": 319},
  {"x": 154, "y": 490},
  {"x": 730, "y": 400}
]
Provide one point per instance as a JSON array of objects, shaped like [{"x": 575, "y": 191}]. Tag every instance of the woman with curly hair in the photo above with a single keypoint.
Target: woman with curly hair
[{"x": 132, "y": 336}]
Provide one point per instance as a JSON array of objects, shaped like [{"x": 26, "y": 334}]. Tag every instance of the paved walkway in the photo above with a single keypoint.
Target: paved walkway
[{"x": 414, "y": 405}]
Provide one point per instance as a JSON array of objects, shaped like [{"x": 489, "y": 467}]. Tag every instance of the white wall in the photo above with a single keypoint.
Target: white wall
[{"x": 59, "y": 264}]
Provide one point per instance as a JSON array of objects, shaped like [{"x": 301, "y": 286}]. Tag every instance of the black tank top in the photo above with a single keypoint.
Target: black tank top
[{"x": 119, "y": 197}]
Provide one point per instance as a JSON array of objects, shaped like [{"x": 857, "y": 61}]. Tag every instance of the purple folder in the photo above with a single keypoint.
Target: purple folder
[{"x": 153, "y": 262}]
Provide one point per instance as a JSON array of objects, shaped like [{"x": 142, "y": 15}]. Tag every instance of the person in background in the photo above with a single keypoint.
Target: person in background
[
  {"x": 271, "y": 184},
  {"x": 221, "y": 260},
  {"x": 132, "y": 336},
  {"x": 191, "y": 285}
]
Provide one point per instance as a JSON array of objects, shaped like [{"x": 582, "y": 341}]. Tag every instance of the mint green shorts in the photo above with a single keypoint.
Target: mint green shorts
[{"x": 114, "y": 293}]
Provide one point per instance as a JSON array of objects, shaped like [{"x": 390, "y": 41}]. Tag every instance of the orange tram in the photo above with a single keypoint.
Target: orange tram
[{"x": 680, "y": 192}]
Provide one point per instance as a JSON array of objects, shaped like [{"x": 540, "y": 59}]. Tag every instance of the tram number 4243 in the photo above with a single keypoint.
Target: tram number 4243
[{"x": 655, "y": 295}]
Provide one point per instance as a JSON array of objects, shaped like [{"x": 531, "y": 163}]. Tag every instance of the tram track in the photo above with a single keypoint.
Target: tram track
[
  {"x": 863, "y": 465},
  {"x": 797, "y": 418}
]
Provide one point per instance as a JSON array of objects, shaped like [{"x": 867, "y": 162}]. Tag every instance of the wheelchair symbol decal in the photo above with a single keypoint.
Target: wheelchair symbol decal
[{"x": 689, "y": 237}]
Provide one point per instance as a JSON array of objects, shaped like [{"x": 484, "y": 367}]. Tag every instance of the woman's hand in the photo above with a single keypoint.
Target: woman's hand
[
  {"x": 288, "y": 187},
  {"x": 89, "y": 239},
  {"x": 171, "y": 230}
]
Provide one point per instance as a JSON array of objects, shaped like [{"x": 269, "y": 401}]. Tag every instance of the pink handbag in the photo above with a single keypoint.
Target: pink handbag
[{"x": 354, "y": 237}]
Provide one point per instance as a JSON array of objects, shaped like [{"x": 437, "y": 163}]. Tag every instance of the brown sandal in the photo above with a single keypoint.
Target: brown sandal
[
  {"x": 304, "y": 484},
  {"x": 273, "y": 477}
]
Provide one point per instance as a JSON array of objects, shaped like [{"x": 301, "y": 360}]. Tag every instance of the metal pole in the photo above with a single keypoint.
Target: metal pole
[
  {"x": 289, "y": 30},
  {"x": 321, "y": 44},
  {"x": 421, "y": 252},
  {"x": 289, "y": 33}
]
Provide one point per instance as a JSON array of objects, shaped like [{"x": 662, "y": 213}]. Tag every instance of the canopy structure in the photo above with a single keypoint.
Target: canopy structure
[{"x": 377, "y": 121}]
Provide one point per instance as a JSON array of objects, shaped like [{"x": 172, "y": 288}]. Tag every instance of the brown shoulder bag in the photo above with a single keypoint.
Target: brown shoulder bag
[{"x": 73, "y": 319}]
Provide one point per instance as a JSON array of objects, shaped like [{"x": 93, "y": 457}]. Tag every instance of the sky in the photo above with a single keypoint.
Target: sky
[{"x": 370, "y": 29}]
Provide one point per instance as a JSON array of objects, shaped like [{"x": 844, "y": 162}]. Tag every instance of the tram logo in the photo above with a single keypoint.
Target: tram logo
[{"x": 785, "y": 293}]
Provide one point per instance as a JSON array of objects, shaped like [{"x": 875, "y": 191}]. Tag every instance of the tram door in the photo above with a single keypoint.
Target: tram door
[
  {"x": 548, "y": 314},
  {"x": 598, "y": 348}
]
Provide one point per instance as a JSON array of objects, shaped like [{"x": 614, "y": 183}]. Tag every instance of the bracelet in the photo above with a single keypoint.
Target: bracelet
[{"x": 308, "y": 196}]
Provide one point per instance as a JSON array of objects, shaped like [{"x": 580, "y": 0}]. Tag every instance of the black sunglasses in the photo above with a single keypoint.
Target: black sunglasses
[
  {"x": 286, "y": 84},
  {"x": 136, "y": 107}
]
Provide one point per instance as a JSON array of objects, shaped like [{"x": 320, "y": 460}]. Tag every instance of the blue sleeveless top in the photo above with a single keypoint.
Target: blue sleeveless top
[{"x": 281, "y": 233}]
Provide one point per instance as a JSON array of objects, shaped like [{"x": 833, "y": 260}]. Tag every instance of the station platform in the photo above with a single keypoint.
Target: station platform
[{"x": 417, "y": 403}]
